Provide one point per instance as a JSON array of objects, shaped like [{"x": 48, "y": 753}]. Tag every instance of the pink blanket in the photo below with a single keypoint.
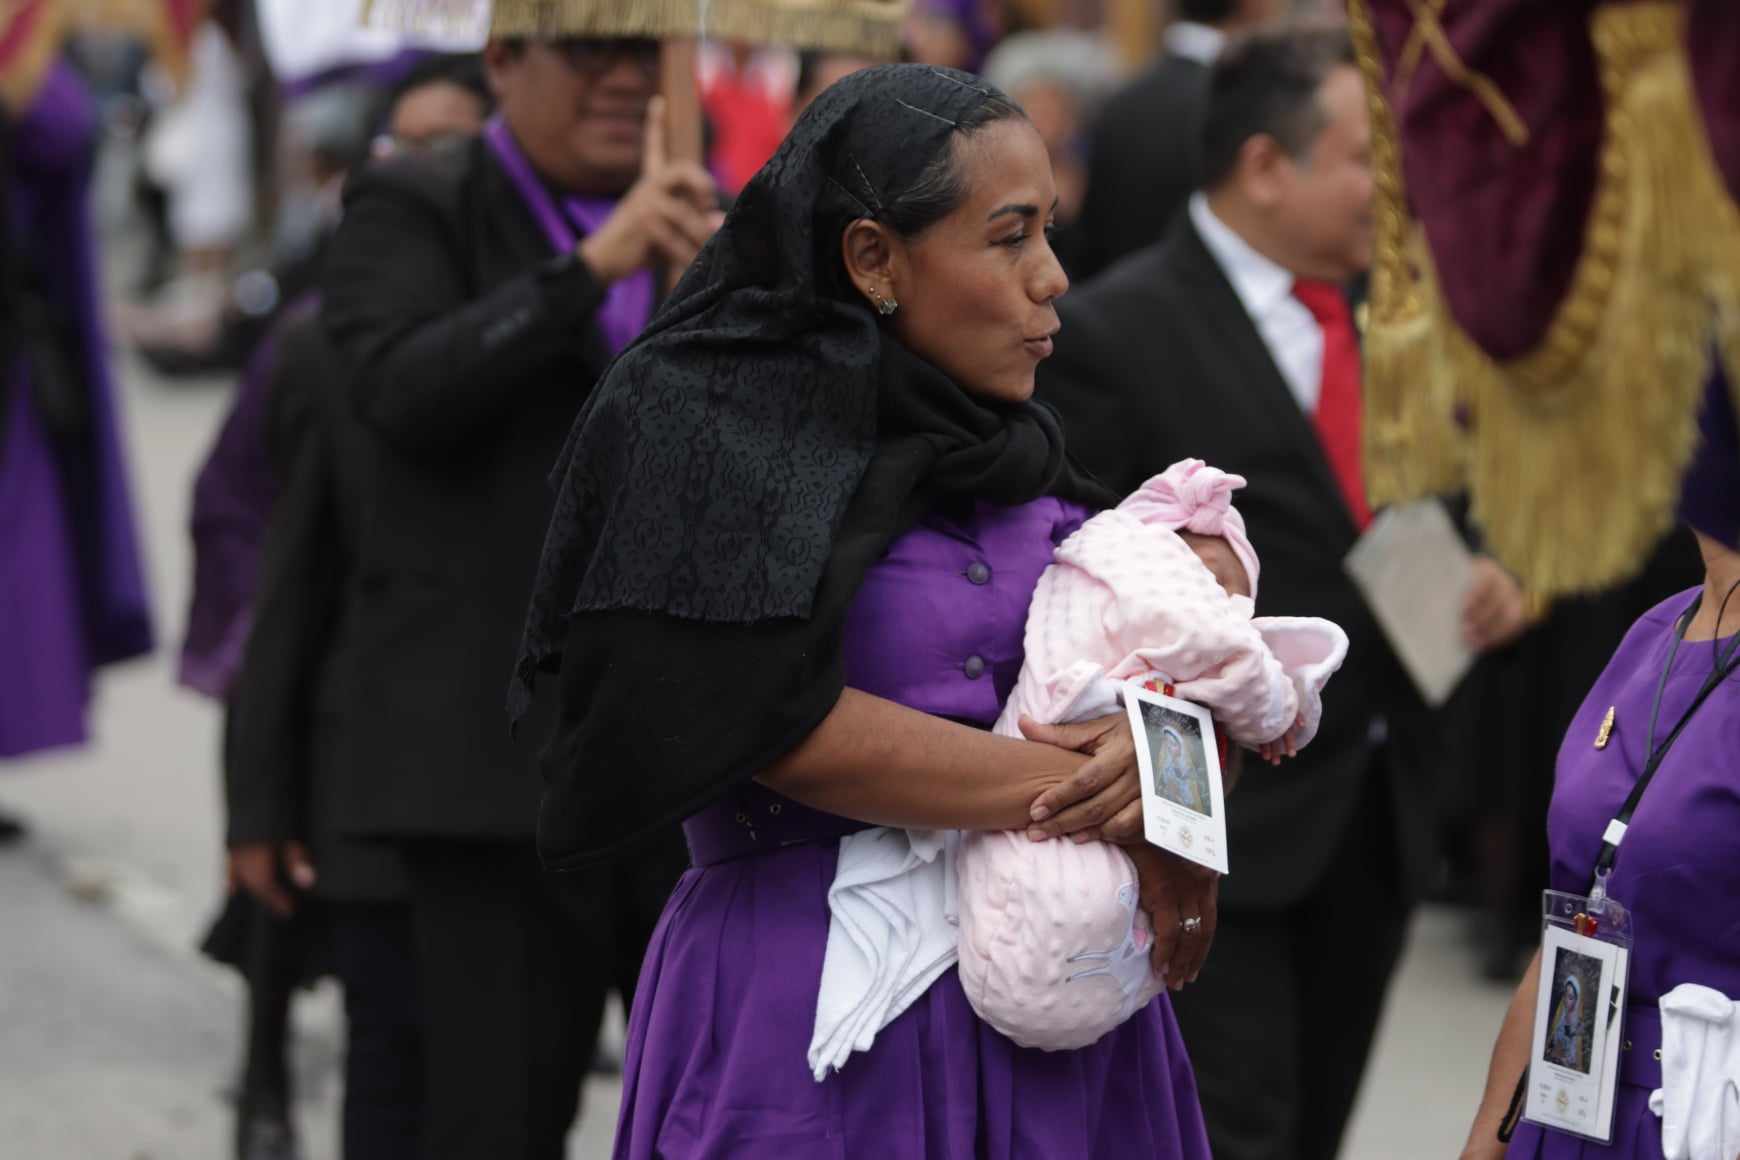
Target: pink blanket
[{"x": 1053, "y": 949}]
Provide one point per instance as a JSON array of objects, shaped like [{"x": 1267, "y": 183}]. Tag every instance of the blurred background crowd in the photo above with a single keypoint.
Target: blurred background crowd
[{"x": 179, "y": 202}]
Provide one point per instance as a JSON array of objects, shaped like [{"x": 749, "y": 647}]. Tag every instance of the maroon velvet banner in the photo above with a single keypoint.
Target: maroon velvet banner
[
  {"x": 1713, "y": 48},
  {"x": 1504, "y": 212}
]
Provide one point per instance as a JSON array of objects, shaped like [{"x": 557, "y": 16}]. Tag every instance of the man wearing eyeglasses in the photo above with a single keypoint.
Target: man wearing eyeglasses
[{"x": 474, "y": 296}]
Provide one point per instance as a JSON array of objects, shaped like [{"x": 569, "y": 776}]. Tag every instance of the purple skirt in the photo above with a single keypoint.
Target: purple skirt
[
  {"x": 722, "y": 1020},
  {"x": 1636, "y": 1135}
]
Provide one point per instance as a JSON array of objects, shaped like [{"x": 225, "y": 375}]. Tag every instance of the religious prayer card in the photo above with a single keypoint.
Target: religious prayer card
[
  {"x": 1183, "y": 802},
  {"x": 1414, "y": 571},
  {"x": 1574, "y": 1054}
]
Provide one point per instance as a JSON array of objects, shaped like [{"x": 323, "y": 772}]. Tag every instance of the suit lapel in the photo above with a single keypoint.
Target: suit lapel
[{"x": 1225, "y": 312}]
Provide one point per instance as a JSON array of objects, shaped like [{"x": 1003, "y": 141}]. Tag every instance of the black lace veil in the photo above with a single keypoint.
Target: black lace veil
[{"x": 736, "y": 471}]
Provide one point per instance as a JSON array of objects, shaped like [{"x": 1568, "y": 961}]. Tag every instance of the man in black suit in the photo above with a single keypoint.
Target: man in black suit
[
  {"x": 1231, "y": 342},
  {"x": 474, "y": 295},
  {"x": 1142, "y": 148}
]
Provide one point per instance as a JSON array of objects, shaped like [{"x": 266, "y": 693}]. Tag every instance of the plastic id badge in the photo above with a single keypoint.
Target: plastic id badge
[
  {"x": 1183, "y": 798},
  {"x": 1579, "y": 1014}
]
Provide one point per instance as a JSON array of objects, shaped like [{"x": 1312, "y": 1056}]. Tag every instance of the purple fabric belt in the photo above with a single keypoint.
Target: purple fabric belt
[
  {"x": 1640, "y": 1050},
  {"x": 755, "y": 820}
]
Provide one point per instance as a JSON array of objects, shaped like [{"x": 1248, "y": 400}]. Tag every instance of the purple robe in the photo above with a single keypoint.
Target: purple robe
[
  {"x": 233, "y": 496},
  {"x": 72, "y": 591},
  {"x": 727, "y": 996},
  {"x": 1677, "y": 870}
]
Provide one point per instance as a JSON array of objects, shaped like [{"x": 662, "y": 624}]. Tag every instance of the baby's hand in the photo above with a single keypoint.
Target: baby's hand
[{"x": 1273, "y": 751}]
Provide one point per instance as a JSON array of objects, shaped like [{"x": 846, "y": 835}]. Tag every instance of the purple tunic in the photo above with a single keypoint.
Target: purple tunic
[
  {"x": 1677, "y": 870},
  {"x": 233, "y": 496},
  {"x": 72, "y": 593},
  {"x": 726, "y": 1004}
]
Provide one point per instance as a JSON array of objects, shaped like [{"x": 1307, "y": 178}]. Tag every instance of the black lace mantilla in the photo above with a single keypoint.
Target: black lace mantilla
[
  {"x": 737, "y": 471},
  {"x": 707, "y": 474}
]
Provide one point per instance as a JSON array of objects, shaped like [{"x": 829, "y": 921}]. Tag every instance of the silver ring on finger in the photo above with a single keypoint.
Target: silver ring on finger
[{"x": 1191, "y": 925}]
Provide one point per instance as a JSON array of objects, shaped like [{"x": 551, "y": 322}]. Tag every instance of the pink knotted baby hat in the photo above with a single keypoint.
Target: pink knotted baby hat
[{"x": 1191, "y": 496}]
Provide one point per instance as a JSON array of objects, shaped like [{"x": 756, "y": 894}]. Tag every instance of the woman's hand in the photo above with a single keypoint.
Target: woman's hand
[
  {"x": 1494, "y": 610},
  {"x": 261, "y": 868},
  {"x": 1102, "y": 799},
  {"x": 1174, "y": 891}
]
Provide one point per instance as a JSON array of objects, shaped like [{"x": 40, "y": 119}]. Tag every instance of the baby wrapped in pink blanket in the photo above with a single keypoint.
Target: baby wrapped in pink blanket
[{"x": 1053, "y": 948}]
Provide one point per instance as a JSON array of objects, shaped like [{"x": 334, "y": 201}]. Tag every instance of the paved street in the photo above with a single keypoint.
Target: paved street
[{"x": 116, "y": 1040}]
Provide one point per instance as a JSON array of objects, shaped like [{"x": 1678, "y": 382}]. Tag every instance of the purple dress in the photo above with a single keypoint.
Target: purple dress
[
  {"x": 72, "y": 593},
  {"x": 727, "y": 997},
  {"x": 1678, "y": 871}
]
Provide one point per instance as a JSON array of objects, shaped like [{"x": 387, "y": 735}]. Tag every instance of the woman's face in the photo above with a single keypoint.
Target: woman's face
[{"x": 977, "y": 289}]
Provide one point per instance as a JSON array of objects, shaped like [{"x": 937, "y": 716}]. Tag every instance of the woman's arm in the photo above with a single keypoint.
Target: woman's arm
[
  {"x": 1510, "y": 1058},
  {"x": 880, "y": 762}
]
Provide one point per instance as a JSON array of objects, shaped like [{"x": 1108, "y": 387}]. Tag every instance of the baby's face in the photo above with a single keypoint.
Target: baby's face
[{"x": 1218, "y": 555}]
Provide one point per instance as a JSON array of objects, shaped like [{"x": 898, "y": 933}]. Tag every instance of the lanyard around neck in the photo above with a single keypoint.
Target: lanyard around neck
[{"x": 1726, "y": 663}]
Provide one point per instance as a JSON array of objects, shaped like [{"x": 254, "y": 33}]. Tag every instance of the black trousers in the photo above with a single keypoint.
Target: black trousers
[
  {"x": 514, "y": 966},
  {"x": 383, "y": 1068},
  {"x": 1281, "y": 1020}
]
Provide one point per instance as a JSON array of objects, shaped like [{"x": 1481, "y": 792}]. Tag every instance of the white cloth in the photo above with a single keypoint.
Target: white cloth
[
  {"x": 1201, "y": 43},
  {"x": 1699, "y": 1100},
  {"x": 890, "y": 934},
  {"x": 199, "y": 148},
  {"x": 1287, "y": 328},
  {"x": 303, "y": 39}
]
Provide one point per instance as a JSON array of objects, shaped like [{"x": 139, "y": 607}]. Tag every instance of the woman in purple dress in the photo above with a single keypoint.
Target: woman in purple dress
[
  {"x": 72, "y": 590},
  {"x": 1676, "y": 870},
  {"x": 786, "y": 586}
]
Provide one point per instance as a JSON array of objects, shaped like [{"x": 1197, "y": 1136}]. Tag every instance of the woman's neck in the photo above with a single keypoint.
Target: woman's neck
[{"x": 1721, "y": 575}]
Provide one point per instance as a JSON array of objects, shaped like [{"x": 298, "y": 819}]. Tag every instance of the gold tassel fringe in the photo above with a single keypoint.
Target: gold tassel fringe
[
  {"x": 1412, "y": 446},
  {"x": 865, "y": 27},
  {"x": 1574, "y": 452}
]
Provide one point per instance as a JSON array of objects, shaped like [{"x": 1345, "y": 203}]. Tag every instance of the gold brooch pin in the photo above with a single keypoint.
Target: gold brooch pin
[{"x": 1606, "y": 731}]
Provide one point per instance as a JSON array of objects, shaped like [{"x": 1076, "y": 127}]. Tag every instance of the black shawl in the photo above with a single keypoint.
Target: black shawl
[{"x": 738, "y": 470}]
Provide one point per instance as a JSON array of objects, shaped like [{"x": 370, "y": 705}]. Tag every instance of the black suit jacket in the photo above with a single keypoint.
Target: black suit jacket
[
  {"x": 1142, "y": 164},
  {"x": 1158, "y": 361},
  {"x": 468, "y": 350},
  {"x": 290, "y": 769}
]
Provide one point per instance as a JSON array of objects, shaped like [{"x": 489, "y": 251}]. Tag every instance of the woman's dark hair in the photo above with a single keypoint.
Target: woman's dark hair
[{"x": 942, "y": 187}]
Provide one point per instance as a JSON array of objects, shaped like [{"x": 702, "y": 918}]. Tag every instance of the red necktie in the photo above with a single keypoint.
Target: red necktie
[{"x": 1339, "y": 405}]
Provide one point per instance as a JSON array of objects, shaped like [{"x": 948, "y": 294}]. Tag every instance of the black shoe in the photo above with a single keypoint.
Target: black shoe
[
  {"x": 264, "y": 1132},
  {"x": 12, "y": 829}
]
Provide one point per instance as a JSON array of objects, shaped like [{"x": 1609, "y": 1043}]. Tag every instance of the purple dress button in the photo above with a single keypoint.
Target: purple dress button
[{"x": 974, "y": 668}]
